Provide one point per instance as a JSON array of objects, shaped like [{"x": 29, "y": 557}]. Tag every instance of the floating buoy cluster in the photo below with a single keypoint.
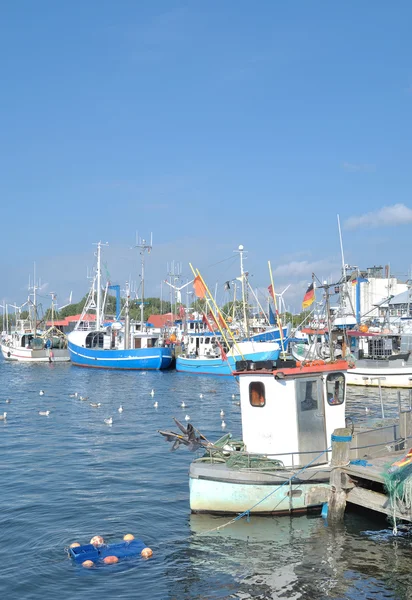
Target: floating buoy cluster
[{"x": 98, "y": 542}]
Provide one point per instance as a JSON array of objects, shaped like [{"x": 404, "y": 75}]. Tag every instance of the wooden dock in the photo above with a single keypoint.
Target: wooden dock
[{"x": 362, "y": 481}]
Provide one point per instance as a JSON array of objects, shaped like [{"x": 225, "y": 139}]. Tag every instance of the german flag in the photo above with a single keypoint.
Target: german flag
[{"x": 309, "y": 297}]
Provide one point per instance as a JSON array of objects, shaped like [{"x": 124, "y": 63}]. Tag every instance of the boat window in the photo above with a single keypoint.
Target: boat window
[
  {"x": 307, "y": 394},
  {"x": 335, "y": 388},
  {"x": 257, "y": 393},
  {"x": 207, "y": 340}
]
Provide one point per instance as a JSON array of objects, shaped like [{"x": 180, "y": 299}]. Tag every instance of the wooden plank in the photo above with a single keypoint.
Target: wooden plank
[
  {"x": 376, "y": 467},
  {"x": 376, "y": 502}
]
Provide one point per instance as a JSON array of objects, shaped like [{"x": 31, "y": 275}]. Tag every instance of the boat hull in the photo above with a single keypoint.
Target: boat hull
[
  {"x": 257, "y": 493},
  {"x": 217, "y": 366},
  {"x": 392, "y": 377},
  {"x": 135, "y": 358},
  {"x": 33, "y": 355}
]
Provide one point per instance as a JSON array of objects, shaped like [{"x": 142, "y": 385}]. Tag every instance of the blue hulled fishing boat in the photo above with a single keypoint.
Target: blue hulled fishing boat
[{"x": 120, "y": 344}]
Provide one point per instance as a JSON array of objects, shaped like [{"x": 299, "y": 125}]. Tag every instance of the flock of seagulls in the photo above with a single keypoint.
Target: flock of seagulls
[{"x": 109, "y": 420}]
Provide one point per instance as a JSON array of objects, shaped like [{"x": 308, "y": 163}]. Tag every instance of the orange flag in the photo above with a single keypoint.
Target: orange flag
[{"x": 199, "y": 287}]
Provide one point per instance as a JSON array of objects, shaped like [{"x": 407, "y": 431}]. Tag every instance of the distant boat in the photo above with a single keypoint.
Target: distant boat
[
  {"x": 26, "y": 343},
  {"x": 203, "y": 354},
  {"x": 118, "y": 345}
]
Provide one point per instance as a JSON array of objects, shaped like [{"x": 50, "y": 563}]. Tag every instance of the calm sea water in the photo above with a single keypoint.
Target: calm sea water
[{"x": 69, "y": 476}]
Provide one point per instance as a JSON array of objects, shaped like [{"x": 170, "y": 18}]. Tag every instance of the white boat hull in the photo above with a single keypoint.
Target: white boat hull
[
  {"x": 217, "y": 490},
  {"x": 35, "y": 355},
  {"x": 389, "y": 378}
]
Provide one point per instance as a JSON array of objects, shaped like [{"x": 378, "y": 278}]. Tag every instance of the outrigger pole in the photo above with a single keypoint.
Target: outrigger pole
[
  {"x": 278, "y": 319},
  {"x": 196, "y": 273}
]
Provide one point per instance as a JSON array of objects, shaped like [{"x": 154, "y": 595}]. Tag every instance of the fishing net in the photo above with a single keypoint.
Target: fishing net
[{"x": 398, "y": 484}]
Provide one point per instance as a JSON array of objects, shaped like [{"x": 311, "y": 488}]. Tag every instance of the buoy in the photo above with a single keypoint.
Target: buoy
[
  {"x": 97, "y": 540},
  {"x": 74, "y": 545},
  {"x": 147, "y": 552},
  {"x": 128, "y": 537},
  {"x": 87, "y": 564},
  {"x": 110, "y": 560}
]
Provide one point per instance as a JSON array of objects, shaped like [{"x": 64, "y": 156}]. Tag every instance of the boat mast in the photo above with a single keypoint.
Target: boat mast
[
  {"x": 127, "y": 319},
  {"x": 99, "y": 287},
  {"x": 143, "y": 246},
  {"x": 244, "y": 291}
]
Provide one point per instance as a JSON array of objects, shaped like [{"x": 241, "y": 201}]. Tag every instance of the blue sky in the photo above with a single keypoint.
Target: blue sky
[{"x": 209, "y": 124}]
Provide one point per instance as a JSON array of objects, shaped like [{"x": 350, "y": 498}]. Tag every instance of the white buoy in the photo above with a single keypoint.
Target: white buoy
[
  {"x": 155, "y": 405},
  {"x": 120, "y": 409},
  {"x": 223, "y": 424},
  {"x": 3, "y": 417},
  {"x": 109, "y": 420},
  {"x": 187, "y": 418},
  {"x": 222, "y": 414},
  {"x": 41, "y": 393},
  {"x": 44, "y": 413},
  {"x": 152, "y": 393},
  {"x": 183, "y": 405}
]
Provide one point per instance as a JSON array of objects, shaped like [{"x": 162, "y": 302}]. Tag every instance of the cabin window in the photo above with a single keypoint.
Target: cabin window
[
  {"x": 307, "y": 394},
  {"x": 335, "y": 389},
  {"x": 257, "y": 393}
]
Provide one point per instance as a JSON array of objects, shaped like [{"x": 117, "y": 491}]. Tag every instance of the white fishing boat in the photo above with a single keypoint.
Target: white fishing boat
[
  {"x": 27, "y": 343},
  {"x": 381, "y": 359},
  {"x": 282, "y": 463}
]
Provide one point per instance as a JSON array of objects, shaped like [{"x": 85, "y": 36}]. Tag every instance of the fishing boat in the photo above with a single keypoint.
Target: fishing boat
[
  {"x": 118, "y": 344},
  {"x": 28, "y": 343},
  {"x": 204, "y": 353},
  {"x": 282, "y": 463},
  {"x": 215, "y": 352},
  {"x": 381, "y": 359}
]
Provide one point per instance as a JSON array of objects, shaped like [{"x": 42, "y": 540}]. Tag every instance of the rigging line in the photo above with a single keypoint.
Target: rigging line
[{"x": 233, "y": 258}]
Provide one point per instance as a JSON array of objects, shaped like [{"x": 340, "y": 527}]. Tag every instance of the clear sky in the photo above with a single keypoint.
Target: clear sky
[{"x": 210, "y": 124}]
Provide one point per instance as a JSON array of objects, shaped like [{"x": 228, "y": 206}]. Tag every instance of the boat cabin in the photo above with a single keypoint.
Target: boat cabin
[
  {"x": 290, "y": 413},
  {"x": 202, "y": 345}
]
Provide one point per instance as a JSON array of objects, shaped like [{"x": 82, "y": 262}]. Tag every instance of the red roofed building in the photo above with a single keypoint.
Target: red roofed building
[{"x": 160, "y": 321}]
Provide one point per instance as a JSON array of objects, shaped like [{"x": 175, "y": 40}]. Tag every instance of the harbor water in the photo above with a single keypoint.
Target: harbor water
[{"x": 68, "y": 476}]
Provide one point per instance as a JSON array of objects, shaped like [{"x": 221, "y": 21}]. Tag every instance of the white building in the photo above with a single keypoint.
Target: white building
[{"x": 379, "y": 286}]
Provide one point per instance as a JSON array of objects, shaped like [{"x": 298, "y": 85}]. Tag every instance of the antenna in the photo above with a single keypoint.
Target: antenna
[{"x": 143, "y": 247}]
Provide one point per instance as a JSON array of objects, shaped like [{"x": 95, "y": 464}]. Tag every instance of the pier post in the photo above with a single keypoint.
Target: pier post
[{"x": 339, "y": 481}]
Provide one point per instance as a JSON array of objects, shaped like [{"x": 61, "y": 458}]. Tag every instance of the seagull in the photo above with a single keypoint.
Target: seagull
[
  {"x": 44, "y": 413},
  {"x": 200, "y": 395},
  {"x": 3, "y": 417},
  {"x": 95, "y": 404},
  {"x": 73, "y": 395},
  {"x": 183, "y": 405},
  {"x": 120, "y": 409},
  {"x": 109, "y": 420},
  {"x": 367, "y": 409},
  {"x": 41, "y": 393},
  {"x": 233, "y": 396},
  {"x": 152, "y": 393},
  {"x": 83, "y": 397},
  {"x": 222, "y": 414},
  {"x": 187, "y": 418},
  {"x": 155, "y": 405},
  {"x": 223, "y": 424}
]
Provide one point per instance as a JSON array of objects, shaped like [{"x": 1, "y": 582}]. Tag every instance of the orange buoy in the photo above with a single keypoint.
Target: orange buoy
[
  {"x": 87, "y": 564},
  {"x": 97, "y": 540},
  {"x": 364, "y": 328},
  {"x": 147, "y": 552},
  {"x": 110, "y": 560},
  {"x": 74, "y": 545},
  {"x": 128, "y": 537}
]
